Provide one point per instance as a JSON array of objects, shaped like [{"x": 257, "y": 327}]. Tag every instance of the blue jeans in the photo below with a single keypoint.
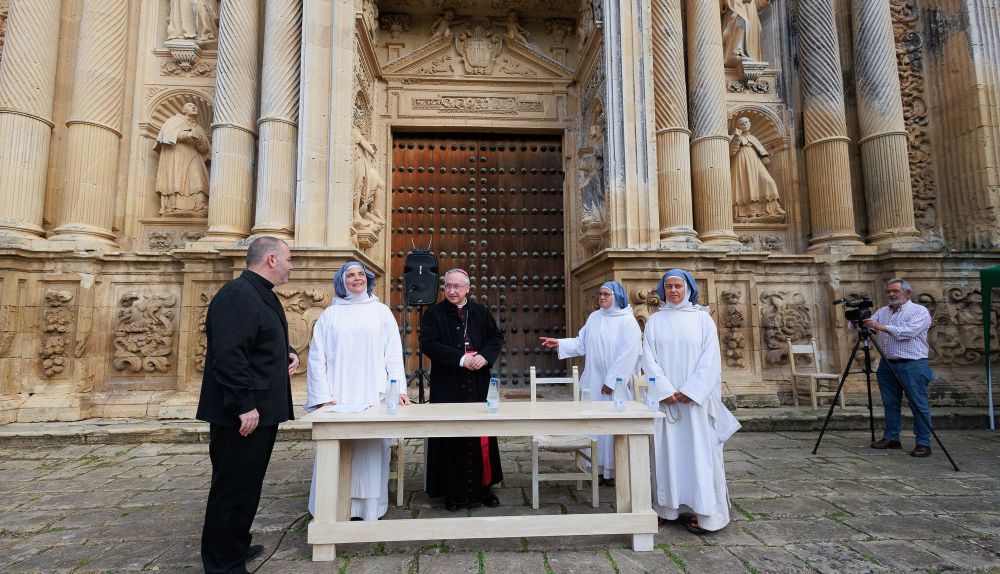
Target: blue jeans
[{"x": 915, "y": 376}]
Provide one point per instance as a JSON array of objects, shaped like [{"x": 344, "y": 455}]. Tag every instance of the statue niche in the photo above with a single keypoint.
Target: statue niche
[
  {"x": 755, "y": 194},
  {"x": 741, "y": 37},
  {"x": 368, "y": 187},
  {"x": 182, "y": 178}
]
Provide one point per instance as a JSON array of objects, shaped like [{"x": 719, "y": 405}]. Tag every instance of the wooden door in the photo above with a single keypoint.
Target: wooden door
[{"x": 493, "y": 206}]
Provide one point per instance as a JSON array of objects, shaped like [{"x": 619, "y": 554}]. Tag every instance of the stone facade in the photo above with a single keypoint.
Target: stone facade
[{"x": 873, "y": 119}]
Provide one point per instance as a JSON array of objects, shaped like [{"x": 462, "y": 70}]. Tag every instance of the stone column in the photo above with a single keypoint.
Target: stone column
[
  {"x": 87, "y": 197},
  {"x": 27, "y": 95},
  {"x": 828, "y": 167},
  {"x": 673, "y": 138},
  {"x": 230, "y": 203},
  {"x": 279, "y": 110},
  {"x": 713, "y": 196},
  {"x": 883, "y": 131},
  {"x": 340, "y": 178},
  {"x": 314, "y": 124}
]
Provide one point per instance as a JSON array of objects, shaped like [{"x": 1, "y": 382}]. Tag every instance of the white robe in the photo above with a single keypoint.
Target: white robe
[
  {"x": 611, "y": 341},
  {"x": 681, "y": 349},
  {"x": 354, "y": 353}
]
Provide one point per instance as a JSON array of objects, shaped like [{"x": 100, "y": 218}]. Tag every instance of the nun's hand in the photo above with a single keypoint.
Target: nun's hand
[
  {"x": 681, "y": 398},
  {"x": 404, "y": 398},
  {"x": 549, "y": 343},
  {"x": 606, "y": 390}
]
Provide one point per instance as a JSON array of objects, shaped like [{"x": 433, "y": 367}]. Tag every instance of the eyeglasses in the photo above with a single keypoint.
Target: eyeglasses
[
  {"x": 605, "y": 294},
  {"x": 453, "y": 286}
]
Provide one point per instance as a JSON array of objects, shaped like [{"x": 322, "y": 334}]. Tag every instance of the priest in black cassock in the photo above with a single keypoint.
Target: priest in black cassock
[{"x": 462, "y": 341}]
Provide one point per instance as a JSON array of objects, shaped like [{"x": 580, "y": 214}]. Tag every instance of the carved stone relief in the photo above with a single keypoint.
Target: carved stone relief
[
  {"x": 395, "y": 24},
  {"x": 907, "y": 28},
  {"x": 144, "y": 332},
  {"x": 560, "y": 28},
  {"x": 57, "y": 317},
  {"x": 645, "y": 302},
  {"x": 368, "y": 187},
  {"x": 591, "y": 15},
  {"x": 369, "y": 14},
  {"x": 201, "y": 339},
  {"x": 160, "y": 239},
  {"x": 479, "y": 48},
  {"x": 199, "y": 69},
  {"x": 4, "y": 11},
  {"x": 755, "y": 194},
  {"x": 182, "y": 173},
  {"x": 192, "y": 26},
  {"x": 593, "y": 178},
  {"x": 785, "y": 315},
  {"x": 302, "y": 309},
  {"x": 733, "y": 322},
  {"x": 956, "y": 334},
  {"x": 741, "y": 30},
  {"x": 8, "y": 328},
  {"x": 764, "y": 242}
]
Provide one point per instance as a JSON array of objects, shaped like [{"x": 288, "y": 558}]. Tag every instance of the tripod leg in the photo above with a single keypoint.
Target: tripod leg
[
  {"x": 909, "y": 399},
  {"x": 833, "y": 401},
  {"x": 868, "y": 383}
]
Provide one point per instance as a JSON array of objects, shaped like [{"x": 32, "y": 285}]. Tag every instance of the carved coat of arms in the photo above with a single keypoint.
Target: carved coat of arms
[{"x": 478, "y": 47}]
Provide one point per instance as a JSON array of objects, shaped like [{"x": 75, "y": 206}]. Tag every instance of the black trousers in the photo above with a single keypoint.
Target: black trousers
[{"x": 238, "y": 468}]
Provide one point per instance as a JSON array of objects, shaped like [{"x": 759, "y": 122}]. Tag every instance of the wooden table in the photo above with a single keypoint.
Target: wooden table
[{"x": 334, "y": 433}]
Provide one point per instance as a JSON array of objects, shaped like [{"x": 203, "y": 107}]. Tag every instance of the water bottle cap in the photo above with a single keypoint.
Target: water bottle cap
[
  {"x": 618, "y": 378},
  {"x": 652, "y": 378},
  {"x": 494, "y": 380}
]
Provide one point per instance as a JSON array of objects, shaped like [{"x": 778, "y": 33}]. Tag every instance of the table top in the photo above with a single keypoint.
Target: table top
[{"x": 509, "y": 411}]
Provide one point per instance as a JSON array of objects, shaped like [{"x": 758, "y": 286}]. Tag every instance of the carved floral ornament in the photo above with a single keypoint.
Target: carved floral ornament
[
  {"x": 58, "y": 324},
  {"x": 144, "y": 332},
  {"x": 785, "y": 316},
  {"x": 302, "y": 309},
  {"x": 956, "y": 334},
  {"x": 732, "y": 320}
]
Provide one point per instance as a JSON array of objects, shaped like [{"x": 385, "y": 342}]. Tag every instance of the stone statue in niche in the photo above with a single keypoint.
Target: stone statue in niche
[
  {"x": 513, "y": 28},
  {"x": 193, "y": 20},
  {"x": 741, "y": 30},
  {"x": 592, "y": 181},
  {"x": 369, "y": 186},
  {"x": 755, "y": 195},
  {"x": 182, "y": 175}
]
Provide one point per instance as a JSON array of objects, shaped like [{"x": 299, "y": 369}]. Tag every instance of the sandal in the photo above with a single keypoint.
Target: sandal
[{"x": 692, "y": 526}]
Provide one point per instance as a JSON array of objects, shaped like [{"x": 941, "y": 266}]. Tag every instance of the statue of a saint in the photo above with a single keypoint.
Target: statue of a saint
[
  {"x": 741, "y": 30},
  {"x": 182, "y": 175},
  {"x": 369, "y": 186},
  {"x": 193, "y": 20},
  {"x": 754, "y": 191},
  {"x": 591, "y": 189}
]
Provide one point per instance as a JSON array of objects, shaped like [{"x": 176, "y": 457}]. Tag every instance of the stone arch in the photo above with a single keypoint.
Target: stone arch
[{"x": 767, "y": 126}]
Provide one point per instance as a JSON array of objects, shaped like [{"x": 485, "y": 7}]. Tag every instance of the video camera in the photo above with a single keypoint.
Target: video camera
[{"x": 856, "y": 310}]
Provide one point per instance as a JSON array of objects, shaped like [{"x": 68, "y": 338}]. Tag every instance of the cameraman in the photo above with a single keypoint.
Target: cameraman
[{"x": 901, "y": 328}]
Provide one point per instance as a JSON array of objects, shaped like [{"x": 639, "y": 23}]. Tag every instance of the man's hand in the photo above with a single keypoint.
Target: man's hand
[
  {"x": 874, "y": 325},
  {"x": 606, "y": 390},
  {"x": 474, "y": 362},
  {"x": 293, "y": 363},
  {"x": 549, "y": 343},
  {"x": 404, "y": 398},
  {"x": 248, "y": 422}
]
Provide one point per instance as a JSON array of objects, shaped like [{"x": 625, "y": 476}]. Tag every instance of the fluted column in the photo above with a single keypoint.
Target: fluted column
[
  {"x": 828, "y": 167},
  {"x": 87, "y": 198},
  {"x": 713, "y": 201},
  {"x": 313, "y": 167},
  {"x": 883, "y": 131},
  {"x": 279, "y": 110},
  {"x": 27, "y": 90},
  {"x": 673, "y": 138},
  {"x": 230, "y": 203}
]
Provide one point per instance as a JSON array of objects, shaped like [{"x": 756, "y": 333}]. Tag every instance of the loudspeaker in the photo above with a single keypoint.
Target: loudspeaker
[{"x": 420, "y": 278}]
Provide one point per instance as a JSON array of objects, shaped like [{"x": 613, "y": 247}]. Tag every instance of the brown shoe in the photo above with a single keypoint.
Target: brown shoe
[
  {"x": 921, "y": 451},
  {"x": 884, "y": 444}
]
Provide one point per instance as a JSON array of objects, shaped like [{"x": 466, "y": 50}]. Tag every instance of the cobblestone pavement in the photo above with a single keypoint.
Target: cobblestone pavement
[{"x": 127, "y": 508}]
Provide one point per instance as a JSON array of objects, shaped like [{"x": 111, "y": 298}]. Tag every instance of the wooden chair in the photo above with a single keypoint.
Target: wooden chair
[
  {"x": 576, "y": 444},
  {"x": 814, "y": 381},
  {"x": 398, "y": 452}
]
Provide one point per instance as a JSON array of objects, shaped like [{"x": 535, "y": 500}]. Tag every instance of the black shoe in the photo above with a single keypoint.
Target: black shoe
[
  {"x": 884, "y": 444},
  {"x": 921, "y": 451},
  {"x": 451, "y": 506},
  {"x": 489, "y": 499},
  {"x": 254, "y": 552}
]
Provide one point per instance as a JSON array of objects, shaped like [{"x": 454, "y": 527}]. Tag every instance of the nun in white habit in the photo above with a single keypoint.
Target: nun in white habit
[
  {"x": 611, "y": 340},
  {"x": 681, "y": 349},
  {"x": 354, "y": 353}
]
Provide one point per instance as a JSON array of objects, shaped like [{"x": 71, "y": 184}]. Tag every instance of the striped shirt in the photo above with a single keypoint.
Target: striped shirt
[{"x": 905, "y": 335}]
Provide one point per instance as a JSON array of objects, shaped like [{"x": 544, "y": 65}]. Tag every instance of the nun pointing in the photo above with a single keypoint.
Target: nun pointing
[
  {"x": 611, "y": 340},
  {"x": 681, "y": 349},
  {"x": 354, "y": 353}
]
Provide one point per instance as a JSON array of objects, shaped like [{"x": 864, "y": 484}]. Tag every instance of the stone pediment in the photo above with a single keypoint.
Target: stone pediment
[{"x": 455, "y": 58}]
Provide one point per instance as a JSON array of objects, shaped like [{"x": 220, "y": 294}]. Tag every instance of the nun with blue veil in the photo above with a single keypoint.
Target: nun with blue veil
[
  {"x": 681, "y": 349},
  {"x": 354, "y": 353},
  {"x": 611, "y": 341}
]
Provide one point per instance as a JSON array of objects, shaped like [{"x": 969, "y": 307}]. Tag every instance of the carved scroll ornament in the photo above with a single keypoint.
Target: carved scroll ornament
[
  {"x": 58, "y": 318},
  {"x": 785, "y": 316},
  {"x": 144, "y": 332}
]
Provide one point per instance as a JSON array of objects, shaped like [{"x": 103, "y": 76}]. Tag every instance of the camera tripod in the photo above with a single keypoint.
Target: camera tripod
[
  {"x": 865, "y": 341},
  {"x": 419, "y": 375}
]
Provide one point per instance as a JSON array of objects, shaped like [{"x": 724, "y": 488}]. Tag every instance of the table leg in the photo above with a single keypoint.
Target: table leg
[
  {"x": 638, "y": 454},
  {"x": 333, "y": 490},
  {"x": 623, "y": 472}
]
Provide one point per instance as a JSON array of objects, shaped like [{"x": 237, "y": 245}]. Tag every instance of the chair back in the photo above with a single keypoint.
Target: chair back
[
  {"x": 803, "y": 349},
  {"x": 573, "y": 380},
  {"x": 639, "y": 382}
]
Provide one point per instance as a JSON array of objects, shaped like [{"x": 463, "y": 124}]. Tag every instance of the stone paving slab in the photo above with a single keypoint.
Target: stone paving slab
[{"x": 118, "y": 507}]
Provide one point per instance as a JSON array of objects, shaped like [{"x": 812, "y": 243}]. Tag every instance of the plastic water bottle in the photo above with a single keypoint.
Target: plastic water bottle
[
  {"x": 585, "y": 401},
  {"x": 618, "y": 395},
  {"x": 651, "y": 403},
  {"x": 493, "y": 397},
  {"x": 392, "y": 398}
]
